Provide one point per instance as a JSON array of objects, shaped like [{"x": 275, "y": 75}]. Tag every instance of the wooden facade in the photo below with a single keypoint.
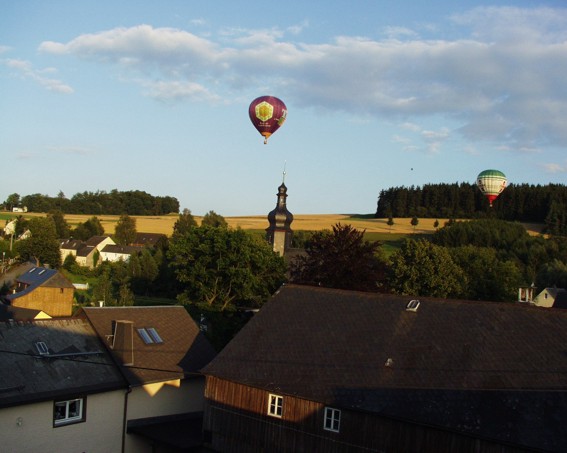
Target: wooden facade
[
  {"x": 56, "y": 302},
  {"x": 236, "y": 420}
]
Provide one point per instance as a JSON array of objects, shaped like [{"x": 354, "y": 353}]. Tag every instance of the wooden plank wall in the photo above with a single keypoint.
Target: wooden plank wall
[{"x": 236, "y": 420}]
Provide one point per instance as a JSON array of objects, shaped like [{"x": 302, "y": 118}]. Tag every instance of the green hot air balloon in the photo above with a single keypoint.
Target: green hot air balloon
[{"x": 491, "y": 183}]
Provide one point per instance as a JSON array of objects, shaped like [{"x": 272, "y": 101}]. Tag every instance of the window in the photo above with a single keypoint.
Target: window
[
  {"x": 155, "y": 336},
  {"x": 67, "y": 412},
  {"x": 332, "y": 419},
  {"x": 42, "y": 348},
  {"x": 275, "y": 405},
  {"x": 150, "y": 335}
]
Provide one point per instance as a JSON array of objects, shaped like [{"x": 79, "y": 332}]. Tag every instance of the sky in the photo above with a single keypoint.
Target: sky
[{"x": 98, "y": 95}]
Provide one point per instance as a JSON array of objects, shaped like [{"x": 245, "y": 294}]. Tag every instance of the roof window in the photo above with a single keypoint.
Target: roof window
[
  {"x": 42, "y": 348},
  {"x": 412, "y": 305},
  {"x": 149, "y": 335}
]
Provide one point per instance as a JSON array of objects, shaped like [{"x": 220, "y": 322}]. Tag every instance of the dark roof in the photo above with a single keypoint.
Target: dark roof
[
  {"x": 148, "y": 239},
  {"x": 560, "y": 300},
  {"x": 184, "y": 349},
  {"x": 8, "y": 312},
  {"x": 77, "y": 361},
  {"x": 482, "y": 368},
  {"x": 71, "y": 244},
  {"x": 40, "y": 276},
  {"x": 120, "y": 249}
]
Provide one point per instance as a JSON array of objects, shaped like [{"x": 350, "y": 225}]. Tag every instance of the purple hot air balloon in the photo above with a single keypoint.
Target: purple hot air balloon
[{"x": 267, "y": 114}]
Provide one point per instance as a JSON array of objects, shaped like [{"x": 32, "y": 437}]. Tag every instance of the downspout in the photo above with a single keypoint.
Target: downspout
[{"x": 125, "y": 417}]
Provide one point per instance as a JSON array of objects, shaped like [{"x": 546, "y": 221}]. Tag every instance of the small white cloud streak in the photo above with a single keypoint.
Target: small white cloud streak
[
  {"x": 555, "y": 168},
  {"x": 502, "y": 82},
  {"x": 26, "y": 70}
]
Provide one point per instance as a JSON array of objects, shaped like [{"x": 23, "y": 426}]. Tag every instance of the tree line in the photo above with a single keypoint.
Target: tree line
[
  {"x": 115, "y": 202},
  {"x": 519, "y": 202}
]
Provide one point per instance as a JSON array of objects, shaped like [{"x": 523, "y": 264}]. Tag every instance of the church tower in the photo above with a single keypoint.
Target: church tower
[{"x": 279, "y": 233}]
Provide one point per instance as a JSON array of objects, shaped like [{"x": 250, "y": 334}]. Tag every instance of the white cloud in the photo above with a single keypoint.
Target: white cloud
[
  {"x": 555, "y": 168},
  {"x": 26, "y": 70},
  {"x": 502, "y": 82}
]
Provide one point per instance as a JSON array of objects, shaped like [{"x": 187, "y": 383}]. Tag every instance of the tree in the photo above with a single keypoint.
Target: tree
[
  {"x": 102, "y": 290},
  {"x": 390, "y": 223},
  {"x": 553, "y": 274},
  {"x": 340, "y": 258},
  {"x": 12, "y": 201},
  {"x": 62, "y": 228},
  {"x": 221, "y": 268},
  {"x": 487, "y": 276},
  {"x": 213, "y": 219},
  {"x": 42, "y": 245},
  {"x": 420, "y": 268},
  {"x": 184, "y": 223},
  {"x": 414, "y": 222},
  {"x": 125, "y": 231},
  {"x": 88, "y": 229}
]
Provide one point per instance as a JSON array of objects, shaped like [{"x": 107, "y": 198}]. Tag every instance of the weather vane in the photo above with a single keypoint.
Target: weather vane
[{"x": 283, "y": 179}]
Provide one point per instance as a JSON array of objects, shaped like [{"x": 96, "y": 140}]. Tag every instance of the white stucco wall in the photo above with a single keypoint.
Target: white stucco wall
[{"x": 29, "y": 428}]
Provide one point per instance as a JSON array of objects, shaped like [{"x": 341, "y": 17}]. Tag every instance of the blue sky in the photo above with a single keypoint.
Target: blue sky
[{"x": 154, "y": 95}]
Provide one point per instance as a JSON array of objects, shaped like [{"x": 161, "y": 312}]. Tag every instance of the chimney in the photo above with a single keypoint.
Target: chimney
[{"x": 123, "y": 341}]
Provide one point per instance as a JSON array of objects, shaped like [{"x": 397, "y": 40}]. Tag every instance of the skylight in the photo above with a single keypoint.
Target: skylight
[
  {"x": 149, "y": 335},
  {"x": 42, "y": 348},
  {"x": 412, "y": 305},
  {"x": 155, "y": 336}
]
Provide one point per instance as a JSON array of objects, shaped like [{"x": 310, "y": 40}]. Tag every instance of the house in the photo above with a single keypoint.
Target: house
[
  {"x": 547, "y": 296},
  {"x": 59, "y": 389},
  {"x": 331, "y": 370},
  {"x": 40, "y": 288},
  {"x": 86, "y": 253},
  {"x": 113, "y": 252},
  {"x": 160, "y": 351},
  {"x": 149, "y": 240}
]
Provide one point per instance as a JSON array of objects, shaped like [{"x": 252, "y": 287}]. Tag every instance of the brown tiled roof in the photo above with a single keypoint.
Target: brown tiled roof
[
  {"x": 444, "y": 363},
  {"x": 76, "y": 362},
  {"x": 184, "y": 350}
]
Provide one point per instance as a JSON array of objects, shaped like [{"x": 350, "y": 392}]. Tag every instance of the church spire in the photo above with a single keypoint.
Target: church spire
[{"x": 279, "y": 233}]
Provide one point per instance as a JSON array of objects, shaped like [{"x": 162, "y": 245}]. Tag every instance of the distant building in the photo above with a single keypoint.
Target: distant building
[
  {"x": 279, "y": 233},
  {"x": 546, "y": 298},
  {"x": 40, "y": 288}
]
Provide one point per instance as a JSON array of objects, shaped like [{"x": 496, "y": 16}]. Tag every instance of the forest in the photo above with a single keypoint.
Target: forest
[
  {"x": 519, "y": 202},
  {"x": 133, "y": 202}
]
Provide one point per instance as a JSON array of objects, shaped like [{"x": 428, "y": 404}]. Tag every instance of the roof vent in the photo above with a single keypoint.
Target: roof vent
[{"x": 412, "y": 305}]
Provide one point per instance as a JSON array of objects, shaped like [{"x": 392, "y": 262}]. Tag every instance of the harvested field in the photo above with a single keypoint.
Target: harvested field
[{"x": 309, "y": 222}]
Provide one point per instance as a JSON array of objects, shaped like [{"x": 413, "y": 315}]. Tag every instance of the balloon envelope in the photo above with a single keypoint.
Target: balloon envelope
[
  {"x": 267, "y": 114},
  {"x": 491, "y": 183}
]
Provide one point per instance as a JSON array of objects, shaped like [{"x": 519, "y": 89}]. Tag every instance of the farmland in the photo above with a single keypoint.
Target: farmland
[{"x": 375, "y": 228}]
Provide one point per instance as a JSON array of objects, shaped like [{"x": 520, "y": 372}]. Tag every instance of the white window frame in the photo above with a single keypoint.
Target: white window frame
[
  {"x": 275, "y": 405},
  {"x": 67, "y": 406},
  {"x": 332, "y": 420}
]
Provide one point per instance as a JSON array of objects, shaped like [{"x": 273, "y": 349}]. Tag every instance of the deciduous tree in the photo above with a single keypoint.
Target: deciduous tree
[
  {"x": 340, "y": 258},
  {"x": 420, "y": 268},
  {"x": 42, "y": 245},
  {"x": 213, "y": 219},
  {"x": 125, "y": 230},
  {"x": 222, "y": 268}
]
